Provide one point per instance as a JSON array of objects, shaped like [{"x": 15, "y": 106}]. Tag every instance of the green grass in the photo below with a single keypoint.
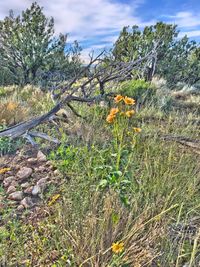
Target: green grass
[{"x": 162, "y": 192}]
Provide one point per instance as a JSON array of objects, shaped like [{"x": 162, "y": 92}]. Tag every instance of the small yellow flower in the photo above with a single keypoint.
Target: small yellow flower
[
  {"x": 118, "y": 98},
  {"x": 129, "y": 101},
  {"x": 53, "y": 200},
  {"x": 11, "y": 106},
  {"x": 4, "y": 170},
  {"x": 110, "y": 118},
  {"x": 117, "y": 247},
  {"x": 137, "y": 130},
  {"x": 129, "y": 113},
  {"x": 114, "y": 111}
]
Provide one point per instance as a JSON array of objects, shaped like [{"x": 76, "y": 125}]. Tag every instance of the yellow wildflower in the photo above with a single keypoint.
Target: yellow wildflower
[
  {"x": 118, "y": 98},
  {"x": 137, "y": 130},
  {"x": 4, "y": 170},
  {"x": 117, "y": 247},
  {"x": 11, "y": 106},
  {"x": 110, "y": 118},
  {"x": 114, "y": 111},
  {"x": 53, "y": 200},
  {"x": 129, "y": 101},
  {"x": 129, "y": 113}
]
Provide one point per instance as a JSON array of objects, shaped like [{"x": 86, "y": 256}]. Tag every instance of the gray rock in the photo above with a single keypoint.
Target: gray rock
[
  {"x": 17, "y": 196},
  {"x": 20, "y": 208},
  {"x": 32, "y": 160},
  {"x": 40, "y": 186},
  {"x": 41, "y": 168},
  {"x": 42, "y": 181},
  {"x": 36, "y": 190},
  {"x": 56, "y": 172},
  {"x": 14, "y": 183},
  {"x": 24, "y": 173},
  {"x": 28, "y": 190},
  {"x": 27, "y": 202},
  {"x": 41, "y": 156},
  {"x": 7, "y": 181},
  {"x": 11, "y": 189},
  {"x": 25, "y": 185}
]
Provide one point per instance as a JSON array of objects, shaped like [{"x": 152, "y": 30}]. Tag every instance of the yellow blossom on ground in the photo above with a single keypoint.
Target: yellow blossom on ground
[
  {"x": 4, "y": 170},
  {"x": 110, "y": 118},
  {"x": 129, "y": 101},
  {"x": 11, "y": 106},
  {"x": 117, "y": 247},
  {"x": 114, "y": 111},
  {"x": 129, "y": 113},
  {"x": 118, "y": 98},
  {"x": 54, "y": 199},
  {"x": 137, "y": 130}
]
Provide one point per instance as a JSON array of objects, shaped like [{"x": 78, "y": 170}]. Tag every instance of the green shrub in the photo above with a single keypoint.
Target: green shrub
[{"x": 139, "y": 89}]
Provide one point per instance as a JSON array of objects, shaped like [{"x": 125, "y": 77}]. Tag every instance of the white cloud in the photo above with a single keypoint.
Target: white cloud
[
  {"x": 190, "y": 34},
  {"x": 83, "y": 19},
  {"x": 89, "y": 21},
  {"x": 186, "y": 19}
]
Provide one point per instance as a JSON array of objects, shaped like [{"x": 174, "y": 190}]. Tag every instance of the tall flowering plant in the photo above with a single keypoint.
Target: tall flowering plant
[{"x": 119, "y": 118}]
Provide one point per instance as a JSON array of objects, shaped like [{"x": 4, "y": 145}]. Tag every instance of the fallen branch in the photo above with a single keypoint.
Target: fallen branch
[
  {"x": 114, "y": 71},
  {"x": 192, "y": 143}
]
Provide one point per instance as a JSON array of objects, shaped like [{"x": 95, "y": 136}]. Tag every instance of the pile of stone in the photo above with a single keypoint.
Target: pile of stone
[{"x": 26, "y": 181}]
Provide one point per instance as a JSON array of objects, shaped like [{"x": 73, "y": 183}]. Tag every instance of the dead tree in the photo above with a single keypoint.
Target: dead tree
[{"x": 98, "y": 74}]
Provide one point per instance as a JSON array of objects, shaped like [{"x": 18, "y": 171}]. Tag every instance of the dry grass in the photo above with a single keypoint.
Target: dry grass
[{"x": 19, "y": 104}]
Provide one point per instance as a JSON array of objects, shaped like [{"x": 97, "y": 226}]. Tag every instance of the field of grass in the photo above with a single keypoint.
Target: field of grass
[{"x": 128, "y": 198}]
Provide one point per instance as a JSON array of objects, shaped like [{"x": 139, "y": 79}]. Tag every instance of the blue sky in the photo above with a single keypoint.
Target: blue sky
[{"x": 96, "y": 24}]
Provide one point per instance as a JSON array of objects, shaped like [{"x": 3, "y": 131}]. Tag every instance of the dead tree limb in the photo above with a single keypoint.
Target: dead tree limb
[{"x": 116, "y": 71}]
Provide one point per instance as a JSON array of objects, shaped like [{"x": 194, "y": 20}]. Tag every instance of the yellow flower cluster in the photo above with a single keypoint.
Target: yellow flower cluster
[
  {"x": 112, "y": 115},
  {"x": 113, "y": 112},
  {"x": 127, "y": 100},
  {"x": 4, "y": 170},
  {"x": 54, "y": 199},
  {"x": 137, "y": 130},
  {"x": 11, "y": 106},
  {"x": 117, "y": 247}
]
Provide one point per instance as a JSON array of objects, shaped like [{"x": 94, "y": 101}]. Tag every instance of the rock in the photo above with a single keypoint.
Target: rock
[
  {"x": 20, "y": 208},
  {"x": 24, "y": 173},
  {"x": 25, "y": 185},
  {"x": 41, "y": 156},
  {"x": 51, "y": 168},
  {"x": 14, "y": 183},
  {"x": 7, "y": 181},
  {"x": 17, "y": 196},
  {"x": 10, "y": 173},
  {"x": 2, "y": 206},
  {"x": 28, "y": 190},
  {"x": 41, "y": 168},
  {"x": 27, "y": 202},
  {"x": 36, "y": 190},
  {"x": 42, "y": 181},
  {"x": 40, "y": 186},
  {"x": 32, "y": 160},
  {"x": 11, "y": 189},
  {"x": 56, "y": 172}
]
